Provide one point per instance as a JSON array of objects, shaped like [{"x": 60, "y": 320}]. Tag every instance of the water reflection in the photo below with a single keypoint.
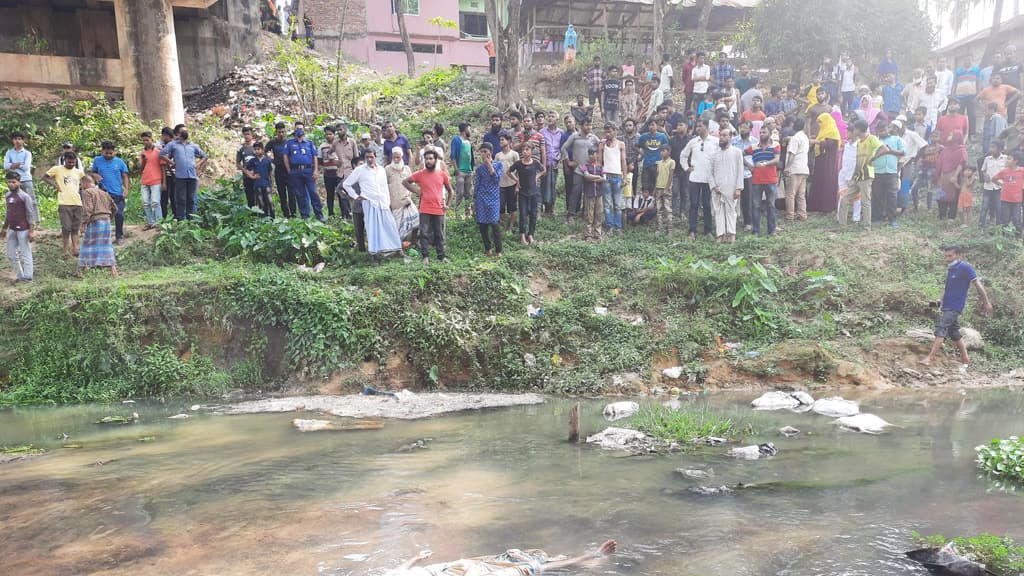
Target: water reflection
[{"x": 248, "y": 495}]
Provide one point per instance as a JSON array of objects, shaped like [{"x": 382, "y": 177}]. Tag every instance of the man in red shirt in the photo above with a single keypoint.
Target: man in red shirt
[
  {"x": 1011, "y": 180},
  {"x": 688, "y": 78},
  {"x": 432, "y": 185},
  {"x": 764, "y": 165},
  {"x": 951, "y": 121}
]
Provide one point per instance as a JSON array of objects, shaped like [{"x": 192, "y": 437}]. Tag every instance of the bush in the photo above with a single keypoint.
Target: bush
[{"x": 1003, "y": 458}]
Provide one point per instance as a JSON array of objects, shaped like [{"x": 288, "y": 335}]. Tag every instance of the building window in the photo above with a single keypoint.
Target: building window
[
  {"x": 416, "y": 47},
  {"x": 473, "y": 24},
  {"x": 411, "y": 7}
]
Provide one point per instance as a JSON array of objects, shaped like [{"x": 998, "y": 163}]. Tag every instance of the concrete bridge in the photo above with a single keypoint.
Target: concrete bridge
[{"x": 149, "y": 50}]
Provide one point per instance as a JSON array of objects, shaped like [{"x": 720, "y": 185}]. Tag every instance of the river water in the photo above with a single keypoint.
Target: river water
[{"x": 249, "y": 495}]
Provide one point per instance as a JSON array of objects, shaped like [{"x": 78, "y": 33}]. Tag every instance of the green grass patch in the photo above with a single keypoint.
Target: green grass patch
[
  {"x": 22, "y": 450},
  {"x": 1000, "y": 554},
  {"x": 687, "y": 424}
]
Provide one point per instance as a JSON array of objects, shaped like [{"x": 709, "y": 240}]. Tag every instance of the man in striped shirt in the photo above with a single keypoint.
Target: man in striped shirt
[{"x": 764, "y": 162}]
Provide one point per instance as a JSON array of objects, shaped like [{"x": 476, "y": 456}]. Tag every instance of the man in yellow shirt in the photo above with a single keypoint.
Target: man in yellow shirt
[
  {"x": 663, "y": 188},
  {"x": 66, "y": 180},
  {"x": 869, "y": 148}
]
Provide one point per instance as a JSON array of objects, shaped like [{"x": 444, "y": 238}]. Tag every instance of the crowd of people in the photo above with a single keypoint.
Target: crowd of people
[{"x": 710, "y": 147}]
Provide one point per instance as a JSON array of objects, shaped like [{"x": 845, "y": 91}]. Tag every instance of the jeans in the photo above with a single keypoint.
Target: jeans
[
  {"x": 700, "y": 198},
  {"x": 571, "y": 209},
  {"x": 263, "y": 200},
  {"x": 284, "y": 195},
  {"x": 489, "y": 231},
  {"x": 1012, "y": 215},
  {"x": 464, "y": 191},
  {"x": 612, "y": 189},
  {"x": 990, "y": 205},
  {"x": 679, "y": 182},
  {"x": 303, "y": 187},
  {"x": 765, "y": 205},
  {"x": 745, "y": 200},
  {"x": 118, "y": 216},
  {"x": 151, "y": 203},
  {"x": 184, "y": 200},
  {"x": 431, "y": 234},
  {"x": 28, "y": 187},
  {"x": 547, "y": 188},
  {"x": 19, "y": 250},
  {"x": 527, "y": 214},
  {"x": 359, "y": 220},
  {"x": 850, "y": 101},
  {"x": 885, "y": 189}
]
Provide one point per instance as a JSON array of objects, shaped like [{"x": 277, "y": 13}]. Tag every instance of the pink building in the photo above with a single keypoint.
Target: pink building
[{"x": 371, "y": 32}]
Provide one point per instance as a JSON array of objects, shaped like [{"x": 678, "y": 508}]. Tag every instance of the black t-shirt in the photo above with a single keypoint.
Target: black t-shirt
[
  {"x": 527, "y": 174},
  {"x": 1011, "y": 74},
  {"x": 244, "y": 154},
  {"x": 611, "y": 93},
  {"x": 678, "y": 143}
]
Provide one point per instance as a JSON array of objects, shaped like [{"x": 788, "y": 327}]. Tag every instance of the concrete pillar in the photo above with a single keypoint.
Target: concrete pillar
[{"x": 149, "y": 57}]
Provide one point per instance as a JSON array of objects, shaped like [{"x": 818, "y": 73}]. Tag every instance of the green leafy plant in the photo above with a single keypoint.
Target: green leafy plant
[
  {"x": 686, "y": 424},
  {"x": 1003, "y": 459},
  {"x": 1000, "y": 554}
]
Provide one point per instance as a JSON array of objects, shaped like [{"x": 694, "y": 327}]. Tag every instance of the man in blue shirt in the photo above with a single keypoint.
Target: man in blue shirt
[
  {"x": 112, "y": 174},
  {"x": 886, "y": 185},
  {"x": 300, "y": 160},
  {"x": 19, "y": 159},
  {"x": 186, "y": 176},
  {"x": 259, "y": 170},
  {"x": 650, "y": 143},
  {"x": 959, "y": 278}
]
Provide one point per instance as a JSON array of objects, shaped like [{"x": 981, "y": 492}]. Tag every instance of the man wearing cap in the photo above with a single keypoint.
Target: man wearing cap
[
  {"x": 300, "y": 162},
  {"x": 64, "y": 149},
  {"x": 959, "y": 278}
]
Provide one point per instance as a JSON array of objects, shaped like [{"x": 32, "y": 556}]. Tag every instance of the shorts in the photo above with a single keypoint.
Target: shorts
[
  {"x": 70, "y": 218},
  {"x": 509, "y": 200},
  {"x": 948, "y": 325}
]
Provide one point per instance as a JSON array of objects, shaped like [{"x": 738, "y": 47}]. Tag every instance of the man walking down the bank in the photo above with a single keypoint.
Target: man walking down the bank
[{"x": 959, "y": 277}]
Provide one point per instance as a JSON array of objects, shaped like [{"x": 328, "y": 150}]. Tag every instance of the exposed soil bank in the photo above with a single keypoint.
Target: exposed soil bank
[{"x": 408, "y": 406}]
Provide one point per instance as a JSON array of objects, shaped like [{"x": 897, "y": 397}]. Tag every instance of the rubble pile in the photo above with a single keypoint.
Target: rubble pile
[{"x": 246, "y": 93}]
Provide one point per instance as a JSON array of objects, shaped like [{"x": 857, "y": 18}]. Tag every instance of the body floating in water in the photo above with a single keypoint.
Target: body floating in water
[{"x": 512, "y": 563}]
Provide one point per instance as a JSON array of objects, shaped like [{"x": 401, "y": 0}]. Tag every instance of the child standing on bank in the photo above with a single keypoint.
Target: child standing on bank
[
  {"x": 259, "y": 169},
  {"x": 968, "y": 181},
  {"x": 18, "y": 228},
  {"x": 663, "y": 189}
]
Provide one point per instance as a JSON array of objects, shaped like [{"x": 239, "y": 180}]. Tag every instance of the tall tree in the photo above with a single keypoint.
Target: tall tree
[
  {"x": 505, "y": 20},
  {"x": 659, "y": 27},
  {"x": 406, "y": 43},
  {"x": 703, "y": 21},
  {"x": 958, "y": 11}
]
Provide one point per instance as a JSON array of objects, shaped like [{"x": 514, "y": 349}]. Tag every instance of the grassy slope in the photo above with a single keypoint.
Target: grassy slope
[{"x": 214, "y": 325}]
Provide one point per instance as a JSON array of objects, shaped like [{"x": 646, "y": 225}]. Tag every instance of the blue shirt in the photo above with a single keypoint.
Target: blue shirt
[
  {"x": 262, "y": 167},
  {"x": 25, "y": 157},
  {"x": 652, "y": 146},
  {"x": 403, "y": 143},
  {"x": 184, "y": 156},
  {"x": 300, "y": 153},
  {"x": 892, "y": 98},
  {"x": 494, "y": 139},
  {"x": 750, "y": 143},
  {"x": 110, "y": 173},
  {"x": 889, "y": 163},
  {"x": 958, "y": 282}
]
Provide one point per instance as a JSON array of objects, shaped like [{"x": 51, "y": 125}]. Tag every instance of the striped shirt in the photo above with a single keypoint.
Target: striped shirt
[{"x": 764, "y": 174}]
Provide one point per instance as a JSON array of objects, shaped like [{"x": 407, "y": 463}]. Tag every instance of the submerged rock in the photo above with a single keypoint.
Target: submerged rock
[
  {"x": 835, "y": 407},
  {"x": 696, "y": 474},
  {"x": 766, "y": 450},
  {"x": 632, "y": 441},
  {"x": 619, "y": 410},
  {"x": 866, "y": 423},
  {"x": 804, "y": 398},
  {"x": 711, "y": 490},
  {"x": 789, "y": 431},
  {"x": 303, "y": 425}
]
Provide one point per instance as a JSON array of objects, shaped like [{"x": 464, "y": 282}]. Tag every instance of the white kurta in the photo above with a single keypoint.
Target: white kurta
[{"x": 725, "y": 178}]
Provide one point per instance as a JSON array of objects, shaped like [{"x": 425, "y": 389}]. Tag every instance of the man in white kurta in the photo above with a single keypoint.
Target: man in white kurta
[{"x": 726, "y": 182}]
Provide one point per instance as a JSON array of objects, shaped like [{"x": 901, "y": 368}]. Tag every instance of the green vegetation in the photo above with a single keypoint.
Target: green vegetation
[
  {"x": 23, "y": 450},
  {"x": 1003, "y": 459},
  {"x": 999, "y": 554},
  {"x": 219, "y": 304},
  {"x": 686, "y": 424}
]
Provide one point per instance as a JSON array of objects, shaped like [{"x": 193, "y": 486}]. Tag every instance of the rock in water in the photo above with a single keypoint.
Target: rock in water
[
  {"x": 696, "y": 474},
  {"x": 775, "y": 400},
  {"x": 789, "y": 431},
  {"x": 947, "y": 561},
  {"x": 804, "y": 398},
  {"x": 619, "y": 410},
  {"x": 835, "y": 407},
  {"x": 866, "y": 423},
  {"x": 618, "y": 438},
  {"x": 178, "y": 417},
  {"x": 711, "y": 490},
  {"x": 766, "y": 450},
  {"x": 303, "y": 425}
]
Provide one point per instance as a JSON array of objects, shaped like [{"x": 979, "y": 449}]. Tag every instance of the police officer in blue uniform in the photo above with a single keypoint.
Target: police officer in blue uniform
[{"x": 301, "y": 163}]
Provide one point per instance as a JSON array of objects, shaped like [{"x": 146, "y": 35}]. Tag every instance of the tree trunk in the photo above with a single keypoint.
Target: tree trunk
[
  {"x": 702, "y": 22},
  {"x": 993, "y": 37},
  {"x": 507, "y": 37},
  {"x": 406, "y": 44},
  {"x": 659, "y": 28}
]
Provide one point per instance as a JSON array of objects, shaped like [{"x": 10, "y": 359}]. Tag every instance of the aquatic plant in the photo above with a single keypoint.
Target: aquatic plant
[
  {"x": 686, "y": 424},
  {"x": 1000, "y": 554},
  {"x": 1003, "y": 458}
]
